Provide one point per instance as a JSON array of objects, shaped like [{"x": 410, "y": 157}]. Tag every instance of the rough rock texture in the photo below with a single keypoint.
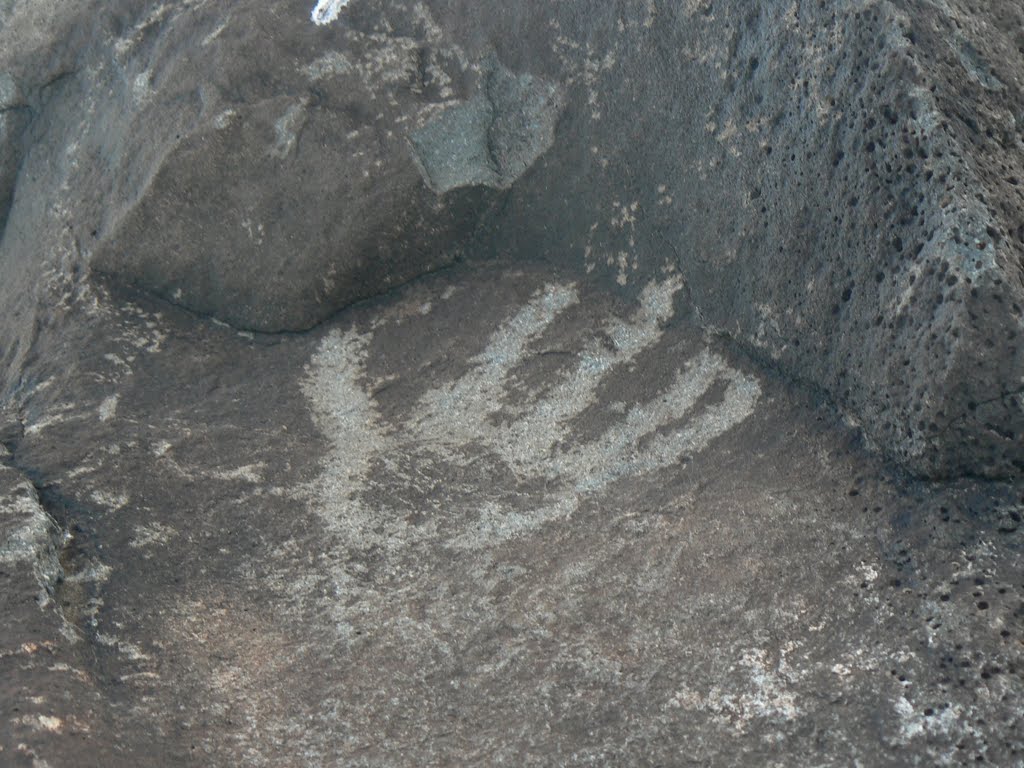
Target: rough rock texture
[
  {"x": 240, "y": 161},
  {"x": 38, "y": 43},
  {"x": 290, "y": 190},
  {"x": 491, "y": 139},
  {"x": 498, "y": 518},
  {"x": 548, "y": 506},
  {"x": 47, "y": 703},
  {"x": 838, "y": 183},
  {"x": 14, "y": 117}
]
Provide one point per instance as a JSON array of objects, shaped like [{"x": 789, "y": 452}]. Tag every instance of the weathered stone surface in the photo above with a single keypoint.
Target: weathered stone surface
[
  {"x": 493, "y": 138},
  {"x": 29, "y": 538},
  {"x": 498, "y": 518},
  {"x": 292, "y": 191},
  {"x": 13, "y": 120},
  {"x": 838, "y": 184},
  {"x": 50, "y": 704},
  {"x": 243, "y": 162},
  {"x": 38, "y": 43},
  {"x": 549, "y": 508}
]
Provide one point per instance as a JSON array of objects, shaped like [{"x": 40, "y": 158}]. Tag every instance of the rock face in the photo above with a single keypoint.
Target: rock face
[
  {"x": 838, "y": 185},
  {"x": 493, "y": 138},
  {"x": 271, "y": 494},
  {"x": 242, "y": 162},
  {"x": 29, "y": 538},
  {"x": 290, "y": 190},
  {"x": 14, "y": 118},
  {"x": 498, "y": 517}
]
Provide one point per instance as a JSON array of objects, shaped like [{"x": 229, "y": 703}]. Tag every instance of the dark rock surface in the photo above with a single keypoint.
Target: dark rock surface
[
  {"x": 497, "y": 518},
  {"x": 13, "y": 120},
  {"x": 240, "y": 161},
  {"x": 838, "y": 183},
  {"x": 580, "y": 496}
]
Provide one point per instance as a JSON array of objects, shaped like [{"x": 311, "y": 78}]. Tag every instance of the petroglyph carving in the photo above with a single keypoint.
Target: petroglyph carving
[{"x": 480, "y": 432}]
